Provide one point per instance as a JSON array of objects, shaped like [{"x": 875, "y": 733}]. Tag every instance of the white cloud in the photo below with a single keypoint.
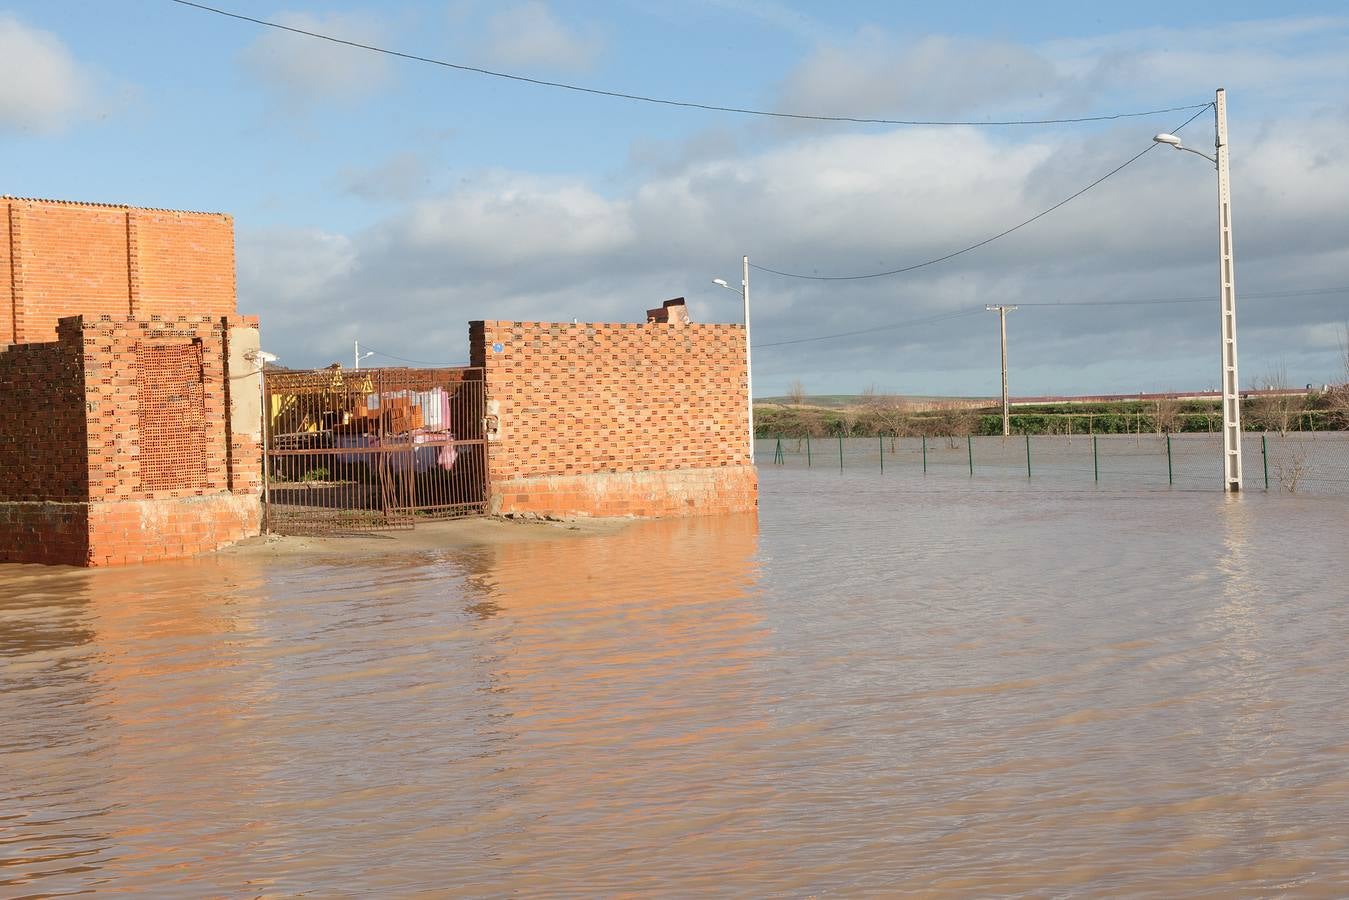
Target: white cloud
[
  {"x": 303, "y": 69},
  {"x": 530, "y": 36},
  {"x": 42, "y": 88},
  {"x": 878, "y": 75},
  {"x": 516, "y": 245},
  {"x": 398, "y": 178}
]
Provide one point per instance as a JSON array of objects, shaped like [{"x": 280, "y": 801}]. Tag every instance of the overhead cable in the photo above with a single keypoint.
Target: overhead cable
[
  {"x": 415, "y": 362},
  {"x": 662, "y": 101},
  {"x": 1001, "y": 234},
  {"x": 973, "y": 311}
]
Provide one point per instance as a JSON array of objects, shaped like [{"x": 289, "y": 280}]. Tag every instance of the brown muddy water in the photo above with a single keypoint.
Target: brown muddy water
[{"x": 881, "y": 686}]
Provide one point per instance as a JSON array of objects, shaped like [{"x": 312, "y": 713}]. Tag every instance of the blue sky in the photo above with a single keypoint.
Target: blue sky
[{"x": 392, "y": 201}]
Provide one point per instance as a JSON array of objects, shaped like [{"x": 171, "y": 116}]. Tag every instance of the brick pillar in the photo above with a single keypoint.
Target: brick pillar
[
  {"x": 133, "y": 262},
  {"x": 16, "y": 269}
]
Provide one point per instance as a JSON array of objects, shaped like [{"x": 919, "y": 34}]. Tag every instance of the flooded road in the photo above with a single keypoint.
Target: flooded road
[{"x": 881, "y": 685}]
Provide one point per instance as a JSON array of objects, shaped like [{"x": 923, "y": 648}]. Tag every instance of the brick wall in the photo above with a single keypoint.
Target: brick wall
[
  {"x": 6, "y": 279},
  {"x": 62, "y": 259},
  {"x": 616, "y": 419},
  {"x": 42, "y": 423},
  {"x": 148, "y": 415},
  {"x": 186, "y": 263},
  {"x": 117, "y": 443}
]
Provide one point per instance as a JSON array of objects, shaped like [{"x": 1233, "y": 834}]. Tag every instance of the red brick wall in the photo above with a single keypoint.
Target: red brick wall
[
  {"x": 46, "y": 533},
  {"x": 137, "y": 531},
  {"x": 133, "y": 486},
  {"x": 125, "y": 460},
  {"x": 64, "y": 259},
  {"x": 616, "y": 419},
  {"x": 186, "y": 263},
  {"x": 6, "y": 280},
  {"x": 42, "y": 423}
]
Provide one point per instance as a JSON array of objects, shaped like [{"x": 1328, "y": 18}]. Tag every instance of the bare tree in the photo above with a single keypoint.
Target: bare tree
[
  {"x": 1276, "y": 408},
  {"x": 885, "y": 413},
  {"x": 1168, "y": 415},
  {"x": 796, "y": 393}
]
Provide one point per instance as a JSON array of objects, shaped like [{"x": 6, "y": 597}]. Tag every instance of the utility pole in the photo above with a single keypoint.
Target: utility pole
[
  {"x": 749, "y": 360},
  {"x": 1002, "y": 321},
  {"x": 1228, "y": 288}
]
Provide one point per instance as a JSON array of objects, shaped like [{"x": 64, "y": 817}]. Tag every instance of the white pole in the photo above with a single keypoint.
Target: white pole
[
  {"x": 749, "y": 362},
  {"x": 1002, "y": 321},
  {"x": 356, "y": 352},
  {"x": 266, "y": 466},
  {"x": 1227, "y": 287}
]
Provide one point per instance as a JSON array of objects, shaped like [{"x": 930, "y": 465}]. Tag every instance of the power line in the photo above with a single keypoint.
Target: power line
[
  {"x": 622, "y": 95},
  {"x": 841, "y": 334},
  {"x": 1155, "y": 301},
  {"x": 985, "y": 241},
  {"x": 415, "y": 362},
  {"x": 1270, "y": 295}
]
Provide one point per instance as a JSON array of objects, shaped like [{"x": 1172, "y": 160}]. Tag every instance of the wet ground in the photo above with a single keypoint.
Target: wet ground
[{"x": 882, "y": 684}]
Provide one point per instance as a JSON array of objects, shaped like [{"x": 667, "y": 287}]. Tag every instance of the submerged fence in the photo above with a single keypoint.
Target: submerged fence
[{"x": 1294, "y": 462}]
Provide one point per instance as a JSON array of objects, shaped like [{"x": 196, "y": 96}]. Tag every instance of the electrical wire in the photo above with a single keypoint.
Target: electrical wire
[
  {"x": 985, "y": 241},
  {"x": 415, "y": 362},
  {"x": 841, "y": 334},
  {"x": 622, "y": 95},
  {"x": 1269, "y": 295}
]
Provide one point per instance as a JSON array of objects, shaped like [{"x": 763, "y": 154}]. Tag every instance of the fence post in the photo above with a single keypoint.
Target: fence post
[
  {"x": 1170, "y": 473},
  {"x": 1027, "y": 455},
  {"x": 1095, "y": 457},
  {"x": 807, "y": 450},
  {"x": 969, "y": 445},
  {"x": 882, "y": 438},
  {"x": 840, "y": 453},
  {"x": 1264, "y": 454},
  {"x": 924, "y": 454}
]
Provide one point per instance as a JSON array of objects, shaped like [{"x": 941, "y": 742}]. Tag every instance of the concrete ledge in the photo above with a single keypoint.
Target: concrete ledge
[
  {"x": 124, "y": 532},
  {"x": 654, "y": 494},
  {"x": 51, "y": 534},
  {"x": 134, "y": 531}
]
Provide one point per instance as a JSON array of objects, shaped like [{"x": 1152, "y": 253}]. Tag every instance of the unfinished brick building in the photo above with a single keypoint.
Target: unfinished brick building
[
  {"x": 619, "y": 419},
  {"x": 129, "y": 391}
]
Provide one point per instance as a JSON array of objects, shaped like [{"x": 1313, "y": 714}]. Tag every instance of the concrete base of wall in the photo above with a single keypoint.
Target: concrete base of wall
[
  {"x": 126, "y": 532},
  {"x": 660, "y": 493}
]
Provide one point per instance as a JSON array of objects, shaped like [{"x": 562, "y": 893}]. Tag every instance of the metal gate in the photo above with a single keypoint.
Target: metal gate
[{"x": 372, "y": 449}]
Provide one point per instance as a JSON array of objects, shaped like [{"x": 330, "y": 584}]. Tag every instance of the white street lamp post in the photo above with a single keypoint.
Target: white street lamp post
[
  {"x": 356, "y": 352},
  {"x": 749, "y": 364},
  {"x": 1227, "y": 294}
]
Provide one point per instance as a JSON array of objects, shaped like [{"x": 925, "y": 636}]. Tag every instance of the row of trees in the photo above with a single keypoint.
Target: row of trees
[{"x": 879, "y": 414}]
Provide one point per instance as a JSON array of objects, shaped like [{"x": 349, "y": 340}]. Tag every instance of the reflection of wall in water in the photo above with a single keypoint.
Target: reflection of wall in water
[{"x": 634, "y": 651}]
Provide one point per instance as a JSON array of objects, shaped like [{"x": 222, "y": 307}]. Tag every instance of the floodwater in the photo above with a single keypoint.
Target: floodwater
[{"x": 883, "y": 685}]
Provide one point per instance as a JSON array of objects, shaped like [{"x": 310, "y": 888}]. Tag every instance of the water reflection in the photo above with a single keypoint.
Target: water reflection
[{"x": 880, "y": 688}]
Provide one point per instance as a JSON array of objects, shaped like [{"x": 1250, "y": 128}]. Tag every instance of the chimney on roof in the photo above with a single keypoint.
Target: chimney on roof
[{"x": 671, "y": 312}]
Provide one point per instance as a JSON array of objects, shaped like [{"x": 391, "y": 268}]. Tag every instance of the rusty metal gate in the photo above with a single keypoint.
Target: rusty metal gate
[{"x": 372, "y": 449}]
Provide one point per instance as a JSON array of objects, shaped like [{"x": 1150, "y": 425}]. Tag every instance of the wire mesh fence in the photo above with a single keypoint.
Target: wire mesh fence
[{"x": 1292, "y": 462}]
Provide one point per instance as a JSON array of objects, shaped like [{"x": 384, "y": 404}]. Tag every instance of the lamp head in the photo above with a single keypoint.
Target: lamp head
[
  {"x": 1168, "y": 139},
  {"x": 721, "y": 282},
  {"x": 262, "y": 356}
]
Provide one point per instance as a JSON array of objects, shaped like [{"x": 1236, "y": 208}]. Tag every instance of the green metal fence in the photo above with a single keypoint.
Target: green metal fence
[{"x": 1291, "y": 463}]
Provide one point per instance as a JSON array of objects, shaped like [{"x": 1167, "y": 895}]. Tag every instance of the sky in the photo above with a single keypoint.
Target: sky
[{"x": 391, "y": 201}]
